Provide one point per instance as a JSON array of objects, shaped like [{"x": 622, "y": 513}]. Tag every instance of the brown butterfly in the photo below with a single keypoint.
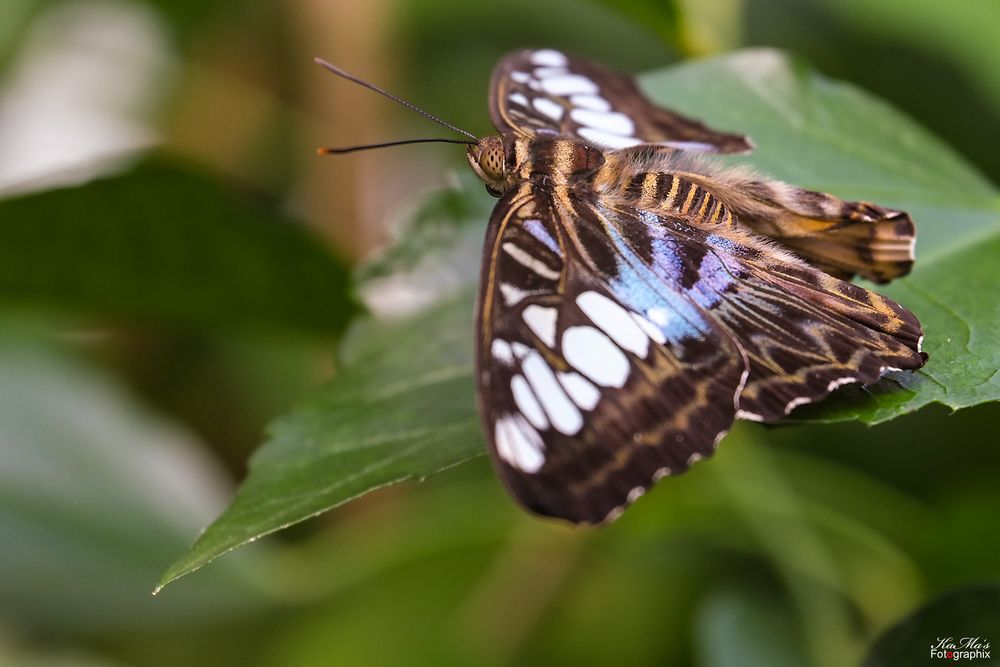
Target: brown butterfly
[{"x": 635, "y": 299}]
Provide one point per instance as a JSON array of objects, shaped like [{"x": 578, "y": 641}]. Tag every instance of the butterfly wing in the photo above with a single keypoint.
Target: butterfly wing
[
  {"x": 585, "y": 403},
  {"x": 617, "y": 346},
  {"x": 843, "y": 238},
  {"x": 543, "y": 91},
  {"x": 803, "y": 332}
]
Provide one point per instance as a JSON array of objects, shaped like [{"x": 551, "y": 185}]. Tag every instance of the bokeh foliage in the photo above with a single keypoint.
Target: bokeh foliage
[{"x": 403, "y": 406}]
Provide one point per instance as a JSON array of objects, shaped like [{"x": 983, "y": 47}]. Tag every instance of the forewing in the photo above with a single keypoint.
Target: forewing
[
  {"x": 543, "y": 91},
  {"x": 595, "y": 377}
]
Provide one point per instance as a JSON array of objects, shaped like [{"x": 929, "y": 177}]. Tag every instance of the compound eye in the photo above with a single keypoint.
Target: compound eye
[{"x": 491, "y": 162}]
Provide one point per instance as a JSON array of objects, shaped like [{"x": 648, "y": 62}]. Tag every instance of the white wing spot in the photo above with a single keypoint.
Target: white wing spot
[
  {"x": 718, "y": 438},
  {"x": 695, "y": 146},
  {"x": 635, "y": 494},
  {"x": 518, "y": 443},
  {"x": 545, "y": 72},
  {"x": 615, "y": 121},
  {"x": 518, "y": 98},
  {"x": 615, "y": 321},
  {"x": 525, "y": 259},
  {"x": 569, "y": 84},
  {"x": 520, "y": 349},
  {"x": 613, "y": 515},
  {"x": 520, "y": 77},
  {"x": 580, "y": 390},
  {"x": 542, "y": 322},
  {"x": 527, "y": 403},
  {"x": 549, "y": 58},
  {"x": 606, "y": 139},
  {"x": 502, "y": 352},
  {"x": 749, "y": 416},
  {"x": 658, "y": 316},
  {"x": 649, "y": 328},
  {"x": 694, "y": 458},
  {"x": 594, "y": 355},
  {"x": 840, "y": 382},
  {"x": 544, "y": 105},
  {"x": 502, "y": 439},
  {"x": 796, "y": 402},
  {"x": 739, "y": 390},
  {"x": 562, "y": 413},
  {"x": 591, "y": 102},
  {"x": 660, "y": 474},
  {"x": 511, "y": 295}
]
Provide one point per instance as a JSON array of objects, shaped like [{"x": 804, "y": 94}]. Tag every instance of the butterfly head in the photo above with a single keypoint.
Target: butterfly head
[{"x": 488, "y": 158}]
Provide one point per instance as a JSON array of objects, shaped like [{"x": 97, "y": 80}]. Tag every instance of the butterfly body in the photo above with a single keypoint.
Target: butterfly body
[{"x": 635, "y": 299}]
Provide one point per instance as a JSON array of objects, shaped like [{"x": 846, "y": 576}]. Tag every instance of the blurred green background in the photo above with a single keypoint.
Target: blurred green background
[{"x": 167, "y": 314}]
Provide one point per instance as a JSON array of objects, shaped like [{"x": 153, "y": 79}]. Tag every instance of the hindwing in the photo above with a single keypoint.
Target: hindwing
[
  {"x": 803, "y": 332},
  {"x": 544, "y": 91}
]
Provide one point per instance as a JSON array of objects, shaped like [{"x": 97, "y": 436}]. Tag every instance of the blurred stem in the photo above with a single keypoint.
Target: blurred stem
[
  {"x": 336, "y": 190},
  {"x": 14, "y": 15},
  {"x": 230, "y": 99},
  {"x": 773, "y": 510},
  {"x": 709, "y": 26},
  {"x": 212, "y": 98},
  {"x": 512, "y": 597}
]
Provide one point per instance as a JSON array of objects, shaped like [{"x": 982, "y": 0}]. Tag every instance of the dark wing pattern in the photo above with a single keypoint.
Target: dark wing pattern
[
  {"x": 617, "y": 345},
  {"x": 804, "y": 333},
  {"x": 584, "y": 400},
  {"x": 544, "y": 91}
]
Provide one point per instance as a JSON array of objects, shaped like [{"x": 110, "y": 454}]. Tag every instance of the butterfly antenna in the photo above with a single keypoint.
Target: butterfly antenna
[
  {"x": 403, "y": 142},
  {"x": 371, "y": 86}
]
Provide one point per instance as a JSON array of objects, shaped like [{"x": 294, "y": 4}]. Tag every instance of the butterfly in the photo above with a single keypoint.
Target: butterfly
[{"x": 636, "y": 299}]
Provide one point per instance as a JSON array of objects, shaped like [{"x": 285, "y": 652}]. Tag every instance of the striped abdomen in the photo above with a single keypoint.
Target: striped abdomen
[{"x": 670, "y": 193}]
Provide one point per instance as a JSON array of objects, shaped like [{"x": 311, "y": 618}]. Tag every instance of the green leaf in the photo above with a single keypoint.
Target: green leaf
[
  {"x": 377, "y": 423},
  {"x": 962, "y": 34},
  {"x": 97, "y": 494},
  {"x": 404, "y": 405},
  {"x": 166, "y": 243}
]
